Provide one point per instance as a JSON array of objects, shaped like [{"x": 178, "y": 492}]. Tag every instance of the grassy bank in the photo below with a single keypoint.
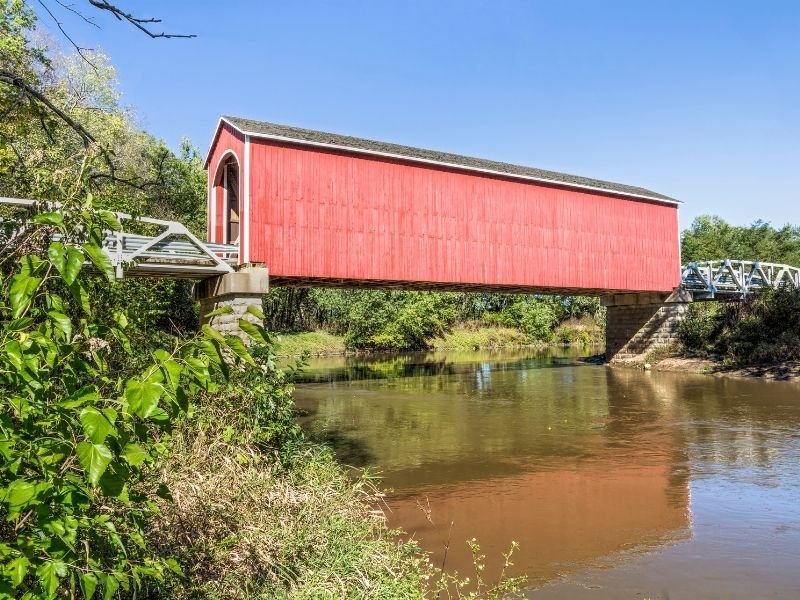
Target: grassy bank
[
  {"x": 468, "y": 336},
  {"x": 314, "y": 343},
  {"x": 477, "y": 338}
]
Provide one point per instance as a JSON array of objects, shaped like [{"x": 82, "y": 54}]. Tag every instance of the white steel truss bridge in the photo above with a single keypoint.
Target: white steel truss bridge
[
  {"x": 730, "y": 279},
  {"x": 168, "y": 250}
]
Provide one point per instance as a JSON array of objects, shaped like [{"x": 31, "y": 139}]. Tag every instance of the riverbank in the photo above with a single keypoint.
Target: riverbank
[
  {"x": 787, "y": 371},
  {"x": 783, "y": 371},
  {"x": 470, "y": 336}
]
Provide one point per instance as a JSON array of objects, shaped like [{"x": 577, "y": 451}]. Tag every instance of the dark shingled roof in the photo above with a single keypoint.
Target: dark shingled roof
[{"x": 263, "y": 128}]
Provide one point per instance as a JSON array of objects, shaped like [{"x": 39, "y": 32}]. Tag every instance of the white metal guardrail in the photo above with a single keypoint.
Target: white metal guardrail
[
  {"x": 736, "y": 278},
  {"x": 173, "y": 251}
]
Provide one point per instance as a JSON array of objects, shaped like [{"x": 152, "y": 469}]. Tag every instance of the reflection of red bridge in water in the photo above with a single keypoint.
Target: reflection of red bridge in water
[{"x": 319, "y": 209}]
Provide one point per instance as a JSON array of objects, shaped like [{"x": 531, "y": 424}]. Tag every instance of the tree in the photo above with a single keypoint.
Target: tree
[{"x": 712, "y": 238}]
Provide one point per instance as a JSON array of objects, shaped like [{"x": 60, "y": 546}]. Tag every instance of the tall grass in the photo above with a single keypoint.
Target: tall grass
[{"x": 258, "y": 512}]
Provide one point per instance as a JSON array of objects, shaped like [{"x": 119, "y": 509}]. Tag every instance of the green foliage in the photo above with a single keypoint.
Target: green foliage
[
  {"x": 398, "y": 321},
  {"x": 702, "y": 326},
  {"x": 710, "y": 238},
  {"x": 476, "y": 336},
  {"x": 413, "y": 320},
  {"x": 763, "y": 329},
  {"x": 78, "y": 439},
  {"x": 533, "y": 316}
]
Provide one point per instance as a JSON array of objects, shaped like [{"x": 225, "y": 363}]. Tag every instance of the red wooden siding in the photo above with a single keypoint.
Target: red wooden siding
[
  {"x": 228, "y": 142},
  {"x": 318, "y": 214}
]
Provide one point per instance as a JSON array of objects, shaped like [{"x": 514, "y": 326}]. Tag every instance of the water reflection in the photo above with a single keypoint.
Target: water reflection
[{"x": 577, "y": 462}]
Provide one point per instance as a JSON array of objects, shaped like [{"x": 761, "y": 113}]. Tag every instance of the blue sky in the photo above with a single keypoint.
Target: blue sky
[{"x": 699, "y": 100}]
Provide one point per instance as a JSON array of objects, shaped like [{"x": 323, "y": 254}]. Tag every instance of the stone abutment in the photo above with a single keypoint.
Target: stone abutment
[{"x": 637, "y": 324}]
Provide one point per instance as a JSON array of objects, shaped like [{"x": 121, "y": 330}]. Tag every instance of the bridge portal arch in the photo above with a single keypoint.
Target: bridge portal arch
[{"x": 226, "y": 194}]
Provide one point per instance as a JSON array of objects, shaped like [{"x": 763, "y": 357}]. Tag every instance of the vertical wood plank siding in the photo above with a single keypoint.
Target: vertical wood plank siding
[
  {"x": 227, "y": 141},
  {"x": 329, "y": 214}
]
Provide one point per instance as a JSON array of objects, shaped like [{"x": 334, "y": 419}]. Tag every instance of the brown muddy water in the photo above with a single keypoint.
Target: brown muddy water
[{"x": 615, "y": 483}]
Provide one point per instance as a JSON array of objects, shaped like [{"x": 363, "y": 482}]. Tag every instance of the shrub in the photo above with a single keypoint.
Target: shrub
[
  {"x": 533, "y": 316},
  {"x": 701, "y": 326},
  {"x": 78, "y": 440},
  {"x": 398, "y": 320},
  {"x": 763, "y": 328}
]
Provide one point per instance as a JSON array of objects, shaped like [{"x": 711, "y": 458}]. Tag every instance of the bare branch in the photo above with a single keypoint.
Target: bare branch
[
  {"x": 71, "y": 8},
  {"x": 66, "y": 35},
  {"x": 135, "y": 21}
]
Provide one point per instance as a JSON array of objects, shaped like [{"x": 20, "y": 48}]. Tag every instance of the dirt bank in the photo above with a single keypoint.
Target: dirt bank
[{"x": 788, "y": 371}]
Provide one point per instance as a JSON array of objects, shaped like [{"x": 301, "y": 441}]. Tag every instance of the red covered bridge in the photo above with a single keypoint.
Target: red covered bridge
[{"x": 324, "y": 209}]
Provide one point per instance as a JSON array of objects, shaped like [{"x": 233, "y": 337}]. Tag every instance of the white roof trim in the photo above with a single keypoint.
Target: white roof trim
[{"x": 403, "y": 157}]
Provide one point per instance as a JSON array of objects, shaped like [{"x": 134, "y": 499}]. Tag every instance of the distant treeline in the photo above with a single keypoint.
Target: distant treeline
[
  {"x": 710, "y": 237},
  {"x": 399, "y": 320}
]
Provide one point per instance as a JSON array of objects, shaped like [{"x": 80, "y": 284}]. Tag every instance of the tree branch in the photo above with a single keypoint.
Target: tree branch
[
  {"x": 71, "y": 8},
  {"x": 66, "y": 35},
  {"x": 19, "y": 83},
  {"x": 135, "y": 21}
]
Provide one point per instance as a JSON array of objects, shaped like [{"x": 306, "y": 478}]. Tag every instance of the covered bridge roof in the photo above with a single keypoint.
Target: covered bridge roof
[{"x": 298, "y": 135}]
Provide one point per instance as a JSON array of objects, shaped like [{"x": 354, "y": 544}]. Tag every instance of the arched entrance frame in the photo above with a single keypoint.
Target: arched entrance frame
[{"x": 223, "y": 200}]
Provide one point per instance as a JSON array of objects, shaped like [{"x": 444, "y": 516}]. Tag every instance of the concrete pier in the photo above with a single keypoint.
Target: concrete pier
[{"x": 237, "y": 290}]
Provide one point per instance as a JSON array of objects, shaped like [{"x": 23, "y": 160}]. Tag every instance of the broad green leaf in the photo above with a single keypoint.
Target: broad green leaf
[
  {"x": 134, "y": 454},
  {"x": 18, "y": 494},
  {"x": 111, "y": 586},
  {"x": 62, "y": 322},
  {"x": 100, "y": 260},
  {"x": 222, "y": 310},
  {"x": 110, "y": 220},
  {"x": 89, "y": 584},
  {"x": 143, "y": 397},
  {"x": 57, "y": 254},
  {"x": 48, "y": 218},
  {"x": 49, "y": 573},
  {"x": 121, "y": 318},
  {"x": 113, "y": 480},
  {"x": 79, "y": 292},
  {"x": 96, "y": 425},
  {"x": 21, "y": 291},
  {"x": 256, "y": 312},
  {"x": 123, "y": 340},
  {"x": 55, "y": 302},
  {"x": 72, "y": 265},
  {"x": 18, "y": 568},
  {"x": 237, "y": 346},
  {"x": 19, "y": 324},
  {"x": 161, "y": 355},
  {"x": 94, "y": 459},
  {"x": 173, "y": 370},
  {"x": 87, "y": 393},
  {"x": 209, "y": 331},
  {"x": 14, "y": 352},
  {"x": 254, "y": 331},
  {"x": 212, "y": 349}
]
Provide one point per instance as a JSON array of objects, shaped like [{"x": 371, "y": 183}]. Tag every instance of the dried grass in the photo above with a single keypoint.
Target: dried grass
[{"x": 242, "y": 526}]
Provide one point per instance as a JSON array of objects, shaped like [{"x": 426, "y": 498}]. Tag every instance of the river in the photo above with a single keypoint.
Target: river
[{"x": 615, "y": 483}]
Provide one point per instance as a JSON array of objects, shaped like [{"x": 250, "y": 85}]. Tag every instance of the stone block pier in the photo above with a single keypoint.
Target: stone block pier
[{"x": 637, "y": 324}]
